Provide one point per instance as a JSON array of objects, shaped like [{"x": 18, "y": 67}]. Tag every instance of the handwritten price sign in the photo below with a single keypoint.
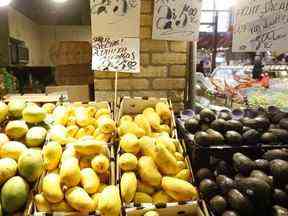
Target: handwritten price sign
[
  {"x": 115, "y": 18},
  {"x": 176, "y": 20},
  {"x": 116, "y": 55},
  {"x": 261, "y": 25}
]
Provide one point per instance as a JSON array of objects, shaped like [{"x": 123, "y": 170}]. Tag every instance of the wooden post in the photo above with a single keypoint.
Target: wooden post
[
  {"x": 115, "y": 93},
  {"x": 190, "y": 89}
]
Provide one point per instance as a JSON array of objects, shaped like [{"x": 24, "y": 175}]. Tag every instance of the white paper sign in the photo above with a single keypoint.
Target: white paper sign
[
  {"x": 114, "y": 54},
  {"x": 115, "y": 18},
  {"x": 261, "y": 25},
  {"x": 176, "y": 20}
]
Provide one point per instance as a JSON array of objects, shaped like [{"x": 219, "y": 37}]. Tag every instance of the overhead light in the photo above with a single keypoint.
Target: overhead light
[
  {"x": 59, "y": 1},
  {"x": 4, "y": 3}
]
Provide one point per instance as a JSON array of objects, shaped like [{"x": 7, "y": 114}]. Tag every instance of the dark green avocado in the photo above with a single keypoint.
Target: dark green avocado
[
  {"x": 218, "y": 204},
  {"x": 208, "y": 189},
  {"x": 219, "y": 125},
  {"x": 207, "y": 115},
  {"x": 263, "y": 165},
  {"x": 251, "y": 137},
  {"x": 243, "y": 164},
  {"x": 204, "y": 173},
  {"x": 274, "y": 154},
  {"x": 239, "y": 202},
  {"x": 192, "y": 125},
  {"x": 202, "y": 138},
  {"x": 233, "y": 138},
  {"x": 280, "y": 198},
  {"x": 235, "y": 125},
  {"x": 279, "y": 171},
  {"x": 224, "y": 183},
  {"x": 230, "y": 213}
]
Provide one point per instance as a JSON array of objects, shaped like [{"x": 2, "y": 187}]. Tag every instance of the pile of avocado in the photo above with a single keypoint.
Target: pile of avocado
[
  {"x": 212, "y": 129},
  {"x": 246, "y": 187}
]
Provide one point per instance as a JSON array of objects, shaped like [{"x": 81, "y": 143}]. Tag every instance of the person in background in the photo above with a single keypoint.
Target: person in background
[
  {"x": 257, "y": 69},
  {"x": 200, "y": 67}
]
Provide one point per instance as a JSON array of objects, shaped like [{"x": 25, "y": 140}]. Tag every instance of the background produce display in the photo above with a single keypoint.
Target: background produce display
[
  {"x": 245, "y": 186},
  {"x": 250, "y": 128},
  {"x": 151, "y": 166}
]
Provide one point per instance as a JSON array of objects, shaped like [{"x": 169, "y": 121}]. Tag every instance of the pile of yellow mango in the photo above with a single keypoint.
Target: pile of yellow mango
[{"x": 152, "y": 168}]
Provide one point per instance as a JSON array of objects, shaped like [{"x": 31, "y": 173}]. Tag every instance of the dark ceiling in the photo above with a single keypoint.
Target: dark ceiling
[{"x": 47, "y": 12}]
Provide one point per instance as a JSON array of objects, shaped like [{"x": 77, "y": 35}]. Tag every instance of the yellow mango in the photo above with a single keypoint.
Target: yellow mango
[
  {"x": 142, "y": 198},
  {"x": 89, "y": 130},
  {"x": 147, "y": 146},
  {"x": 130, "y": 127},
  {"x": 184, "y": 174},
  {"x": 33, "y": 114},
  {"x": 145, "y": 188},
  {"x": 42, "y": 205},
  {"x": 167, "y": 142},
  {"x": 70, "y": 174},
  {"x": 165, "y": 160},
  {"x": 128, "y": 185},
  {"x": 106, "y": 124},
  {"x": 16, "y": 129},
  {"x": 35, "y": 136},
  {"x": 60, "y": 115},
  {"x": 149, "y": 172},
  {"x": 15, "y": 108},
  {"x": 153, "y": 118},
  {"x": 3, "y": 139},
  {"x": 100, "y": 164},
  {"x": 95, "y": 199},
  {"x": 12, "y": 149},
  {"x": 61, "y": 207},
  {"x": 163, "y": 111},
  {"x": 80, "y": 133},
  {"x": 125, "y": 118},
  {"x": 71, "y": 121},
  {"x": 8, "y": 169},
  {"x": 58, "y": 133},
  {"x": 72, "y": 130},
  {"x": 164, "y": 128},
  {"x": 143, "y": 123},
  {"x": 181, "y": 165},
  {"x": 129, "y": 143},
  {"x": 101, "y": 112},
  {"x": 179, "y": 189},
  {"x": 79, "y": 199},
  {"x": 106, "y": 137},
  {"x": 82, "y": 116},
  {"x": 51, "y": 154},
  {"x": 91, "y": 111},
  {"x": 179, "y": 156},
  {"x": 68, "y": 152},
  {"x": 89, "y": 180},
  {"x": 51, "y": 188},
  {"x": 109, "y": 202},
  {"x": 89, "y": 146},
  {"x": 128, "y": 162},
  {"x": 48, "y": 108},
  {"x": 161, "y": 197}
]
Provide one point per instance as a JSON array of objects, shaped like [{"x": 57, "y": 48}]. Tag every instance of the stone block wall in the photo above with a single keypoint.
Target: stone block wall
[{"x": 163, "y": 66}]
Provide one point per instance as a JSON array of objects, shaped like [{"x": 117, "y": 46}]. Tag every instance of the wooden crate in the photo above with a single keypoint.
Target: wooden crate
[{"x": 134, "y": 106}]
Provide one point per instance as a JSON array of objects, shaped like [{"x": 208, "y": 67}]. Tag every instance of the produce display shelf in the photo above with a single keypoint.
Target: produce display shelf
[{"x": 134, "y": 106}]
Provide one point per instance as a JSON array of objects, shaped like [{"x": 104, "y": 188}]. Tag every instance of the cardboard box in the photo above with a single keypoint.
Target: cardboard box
[{"x": 75, "y": 92}]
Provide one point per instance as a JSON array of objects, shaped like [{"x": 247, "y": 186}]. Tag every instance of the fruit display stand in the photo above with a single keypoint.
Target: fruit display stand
[{"x": 128, "y": 109}]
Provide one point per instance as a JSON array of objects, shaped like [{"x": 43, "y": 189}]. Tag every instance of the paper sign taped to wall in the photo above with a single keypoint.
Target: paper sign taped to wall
[
  {"x": 261, "y": 25},
  {"x": 176, "y": 20},
  {"x": 114, "y": 54},
  {"x": 115, "y": 18}
]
